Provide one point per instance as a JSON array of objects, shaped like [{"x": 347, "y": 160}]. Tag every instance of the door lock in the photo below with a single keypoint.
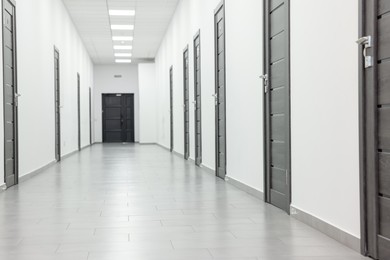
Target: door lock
[{"x": 366, "y": 42}]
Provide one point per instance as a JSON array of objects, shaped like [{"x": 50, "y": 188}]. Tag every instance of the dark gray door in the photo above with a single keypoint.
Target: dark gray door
[
  {"x": 220, "y": 104},
  {"x": 171, "y": 107},
  {"x": 90, "y": 116},
  {"x": 118, "y": 118},
  {"x": 10, "y": 94},
  {"x": 277, "y": 103},
  {"x": 78, "y": 111},
  {"x": 198, "y": 101},
  {"x": 57, "y": 108},
  {"x": 375, "y": 141},
  {"x": 186, "y": 99}
]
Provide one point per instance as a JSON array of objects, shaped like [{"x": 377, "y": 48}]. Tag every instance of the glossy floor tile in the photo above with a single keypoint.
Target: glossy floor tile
[{"x": 141, "y": 202}]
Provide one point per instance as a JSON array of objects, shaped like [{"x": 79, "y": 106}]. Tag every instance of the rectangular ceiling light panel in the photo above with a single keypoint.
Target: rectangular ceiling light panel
[
  {"x": 123, "y": 61},
  {"x": 124, "y": 27},
  {"x": 123, "y": 54},
  {"x": 123, "y": 47},
  {"x": 121, "y": 12},
  {"x": 122, "y": 38}
]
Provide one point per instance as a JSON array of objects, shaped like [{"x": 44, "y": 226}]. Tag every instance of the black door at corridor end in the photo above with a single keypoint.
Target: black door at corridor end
[{"x": 118, "y": 118}]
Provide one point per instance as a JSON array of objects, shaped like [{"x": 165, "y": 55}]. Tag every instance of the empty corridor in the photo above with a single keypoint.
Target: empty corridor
[{"x": 141, "y": 202}]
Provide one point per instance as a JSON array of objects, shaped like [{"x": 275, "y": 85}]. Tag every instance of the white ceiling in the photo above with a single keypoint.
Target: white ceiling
[{"x": 151, "y": 21}]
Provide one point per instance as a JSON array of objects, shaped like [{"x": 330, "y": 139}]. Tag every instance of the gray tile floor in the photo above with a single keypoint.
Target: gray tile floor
[{"x": 140, "y": 202}]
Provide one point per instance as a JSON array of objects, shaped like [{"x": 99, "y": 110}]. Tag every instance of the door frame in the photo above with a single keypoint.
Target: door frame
[
  {"x": 219, "y": 7},
  {"x": 362, "y": 136},
  {"x": 56, "y": 51},
  {"x": 186, "y": 88},
  {"x": 368, "y": 184},
  {"x": 16, "y": 116},
  {"x": 103, "y": 114},
  {"x": 198, "y": 156},
  {"x": 90, "y": 116},
  {"x": 79, "y": 110},
  {"x": 266, "y": 116},
  {"x": 171, "y": 120}
]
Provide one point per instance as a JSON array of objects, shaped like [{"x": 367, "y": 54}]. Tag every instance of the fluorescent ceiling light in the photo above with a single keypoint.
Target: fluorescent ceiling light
[
  {"x": 122, "y": 12},
  {"x": 122, "y": 38},
  {"x": 125, "y": 27},
  {"x": 123, "y": 54},
  {"x": 123, "y": 47},
  {"x": 123, "y": 61}
]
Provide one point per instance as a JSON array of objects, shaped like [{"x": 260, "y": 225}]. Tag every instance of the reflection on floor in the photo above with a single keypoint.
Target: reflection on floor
[{"x": 140, "y": 202}]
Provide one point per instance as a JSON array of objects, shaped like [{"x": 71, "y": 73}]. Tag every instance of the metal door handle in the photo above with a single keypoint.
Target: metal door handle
[
  {"x": 216, "y": 98},
  {"x": 366, "y": 41},
  {"x": 16, "y": 98},
  {"x": 265, "y": 82}
]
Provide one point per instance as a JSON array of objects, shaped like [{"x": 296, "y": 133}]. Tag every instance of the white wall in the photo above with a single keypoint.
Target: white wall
[
  {"x": 106, "y": 83},
  {"x": 243, "y": 87},
  {"x": 147, "y": 103},
  {"x": 190, "y": 16},
  {"x": 244, "y": 65},
  {"x": 41, "y": 25},
  {"x": 325, "y": 175},
  {"x": 324, "y": 105}
]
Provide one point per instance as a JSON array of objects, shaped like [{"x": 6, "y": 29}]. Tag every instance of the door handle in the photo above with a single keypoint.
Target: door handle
[
  {"x": 265, "y": 82},
  {"x": 366, "y": 42},
  {"x": 16, "y": 98},
  {"x": 216, "y": 98}
]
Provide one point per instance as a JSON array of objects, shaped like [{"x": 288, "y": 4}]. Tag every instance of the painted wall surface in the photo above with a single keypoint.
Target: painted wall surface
[
  {"x": 324, "y": 105},
  {"x": 244, "y": 92},
  {"x": 324, "y": 99},
  {"x": 190, "y": 16},
  {"x": 147, "y": 103},
  {"x": 107, "y": 83},
  {"x": 243, "y": 87},
  {"x": 41, "y": 25}
]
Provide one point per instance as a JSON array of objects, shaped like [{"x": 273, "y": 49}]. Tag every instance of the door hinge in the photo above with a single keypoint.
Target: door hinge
[
  {"x": 366, "y": 42},
  {"x": 265, "y": 82}
]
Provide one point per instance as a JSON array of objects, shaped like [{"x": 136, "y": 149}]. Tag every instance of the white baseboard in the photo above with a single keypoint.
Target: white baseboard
[
  {"x": 244, "y": 187},
  {"x": 326, "y": 228}
]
